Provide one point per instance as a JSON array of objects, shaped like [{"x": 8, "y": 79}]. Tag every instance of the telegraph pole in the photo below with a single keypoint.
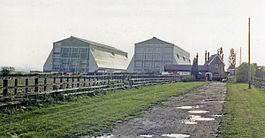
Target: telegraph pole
[
  {"x": 240, "y": 56},
  {"x": 249, "y": 66}
]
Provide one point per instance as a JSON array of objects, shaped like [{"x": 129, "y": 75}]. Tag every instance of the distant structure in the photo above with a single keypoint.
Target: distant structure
[
  {"x": 78, "y": 55},
  {"x": 150, "y": 56},
  {"x": 213, "y": 68}
]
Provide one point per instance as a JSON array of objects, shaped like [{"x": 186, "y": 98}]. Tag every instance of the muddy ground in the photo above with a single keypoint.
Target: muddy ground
[{"x": 195, "y": 114}]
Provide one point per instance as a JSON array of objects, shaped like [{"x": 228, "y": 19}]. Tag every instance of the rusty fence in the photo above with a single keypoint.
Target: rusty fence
[{"x": 25, "y": 88}]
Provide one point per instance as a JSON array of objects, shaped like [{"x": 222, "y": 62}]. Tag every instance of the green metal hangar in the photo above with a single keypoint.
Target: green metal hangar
[
  {"x": 78, "y": 55},
  {"x": 151, "y": 56}
]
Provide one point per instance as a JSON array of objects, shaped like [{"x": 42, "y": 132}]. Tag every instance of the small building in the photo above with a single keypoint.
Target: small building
[
  {"x": 150, "y": 56},
  {"x": 213, "y": 69},
  {"x": 184, "y": 69},
  {"x": 78, "y": 55}
]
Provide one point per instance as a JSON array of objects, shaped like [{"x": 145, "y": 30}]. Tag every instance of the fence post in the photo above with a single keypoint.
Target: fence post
[
  {"x": 93, "y": 81},
  {"x": 67, "y": 82},
  {"x": 73, "y": 80},
  {"x": 26, "y": 85},
  {"x": 45, "y": 84},
  {"x": 84, "y": 85},
  {"x": 61, "y": 83},
  {"x": 108, "y": 81},
  {"x": 123, "y": 79},
  {"x": 89, "y": 81},
  {"x": 78, "y": 82},
  {"x": 5, "y": 87},
  {"x": 130, "y": 82},
  {"x": 15, "y": 87},
  {"x": 102, "y": 80},
  {"x": 54, "y": 83},
  {"x": 36, "y": 89}
]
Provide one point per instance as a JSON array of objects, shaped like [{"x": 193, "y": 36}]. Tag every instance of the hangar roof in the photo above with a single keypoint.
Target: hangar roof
[
  {"x": 94, "y": 44},
  {"x": 155, "y": 40}
]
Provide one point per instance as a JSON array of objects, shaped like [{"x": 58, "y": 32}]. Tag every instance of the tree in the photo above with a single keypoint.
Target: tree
[
  {"x": 260, "y": 72},
  {"x": 195, "y": 68},
  {"x": 220, "y": 53},
  {"x": 7, "y": 70},
  {"x": 232, "y": 59},
  {"x": 242, "y": 72}
]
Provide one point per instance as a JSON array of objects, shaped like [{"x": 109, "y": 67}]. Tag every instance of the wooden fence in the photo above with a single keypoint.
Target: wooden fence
[{"x": 23, "y": 88}]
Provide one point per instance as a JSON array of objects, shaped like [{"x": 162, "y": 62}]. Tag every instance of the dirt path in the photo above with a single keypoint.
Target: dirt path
[{"x": 191, "y": 115}]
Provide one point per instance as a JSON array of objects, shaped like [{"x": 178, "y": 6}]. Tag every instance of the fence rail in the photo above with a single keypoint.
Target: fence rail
[{"x": 17, "y": 88}]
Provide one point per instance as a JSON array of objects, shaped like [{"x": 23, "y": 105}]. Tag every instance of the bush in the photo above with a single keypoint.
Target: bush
[
  {"x": 188, "y": 78},
  {"x": 242, "y": 72},
  {"x": 7, "y": 70},
  {"x": 231, "y": 79}
]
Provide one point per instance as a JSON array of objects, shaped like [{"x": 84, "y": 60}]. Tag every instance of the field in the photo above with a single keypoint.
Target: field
[
  {"x": 244, "y": 112},
  {"x": 87, "y": 115}
]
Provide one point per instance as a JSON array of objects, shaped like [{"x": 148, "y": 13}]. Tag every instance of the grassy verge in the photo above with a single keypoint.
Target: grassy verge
[
  {"x": 88, "y": 115},
  {"x": 244, "y": 112}
]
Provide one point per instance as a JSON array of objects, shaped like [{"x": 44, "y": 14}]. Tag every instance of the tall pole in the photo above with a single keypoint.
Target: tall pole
[
  {"x": 240, "y": 56},
  {"x": 249, "y": 67}
]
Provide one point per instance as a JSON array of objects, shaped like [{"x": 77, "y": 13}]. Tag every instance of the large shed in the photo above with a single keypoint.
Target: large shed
[
  {"x": 150, "y": 56},
  {"x": 78, "y": 55}
]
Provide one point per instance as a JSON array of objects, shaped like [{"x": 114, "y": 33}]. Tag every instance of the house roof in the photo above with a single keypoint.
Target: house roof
[{"x": 212, "y": 58}]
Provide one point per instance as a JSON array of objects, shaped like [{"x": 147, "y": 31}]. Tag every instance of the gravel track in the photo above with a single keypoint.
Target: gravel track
[{"x": 196, "y": 114}]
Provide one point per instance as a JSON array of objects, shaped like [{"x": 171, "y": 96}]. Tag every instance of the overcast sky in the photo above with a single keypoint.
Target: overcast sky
[{"x": 29, "y": 27}]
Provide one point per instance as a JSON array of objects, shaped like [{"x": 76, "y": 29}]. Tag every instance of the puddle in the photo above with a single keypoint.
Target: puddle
[
  {"x": 188, "y": 107},
  {"x": 197, "y": 106},
  {"x": 185, "y": 107},
  {"x": 198, "y": 112},
  {"x": 104, "y": 136},
  {"x": 217, "y": 115},
  {"x": 189, "y": 122},
  {"x": 146, "y": 136},
  {"x": 213, "y": 101},
  {"x": 199, "y": 118},
  {"x": 176, "y": 135}
]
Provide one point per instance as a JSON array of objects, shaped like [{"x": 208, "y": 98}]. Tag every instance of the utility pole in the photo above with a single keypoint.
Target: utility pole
[
  {"x": 249, "y": 66},
  {"x": 240, "y": 56}
]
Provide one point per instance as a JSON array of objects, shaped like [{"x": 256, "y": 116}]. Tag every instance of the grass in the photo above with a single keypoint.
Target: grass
[
  {"x": 88, "y": 115},
  {"x": 244, "y": 112}
]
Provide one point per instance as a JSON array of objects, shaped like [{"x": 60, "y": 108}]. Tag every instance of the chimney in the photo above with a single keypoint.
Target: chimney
[
  {"x": 205, "y": 56},
  {"x": 197, "y": 57},
  {"x": 208, "y": 55}
]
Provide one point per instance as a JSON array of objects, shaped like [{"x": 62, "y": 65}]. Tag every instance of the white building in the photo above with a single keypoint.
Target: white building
[
  {"x": 151, "y": 56},
  {"x": 81, "y": 56}
]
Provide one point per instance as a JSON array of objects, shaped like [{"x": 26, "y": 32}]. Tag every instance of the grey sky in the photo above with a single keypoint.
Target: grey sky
[{"x": 28, "y": 27}]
